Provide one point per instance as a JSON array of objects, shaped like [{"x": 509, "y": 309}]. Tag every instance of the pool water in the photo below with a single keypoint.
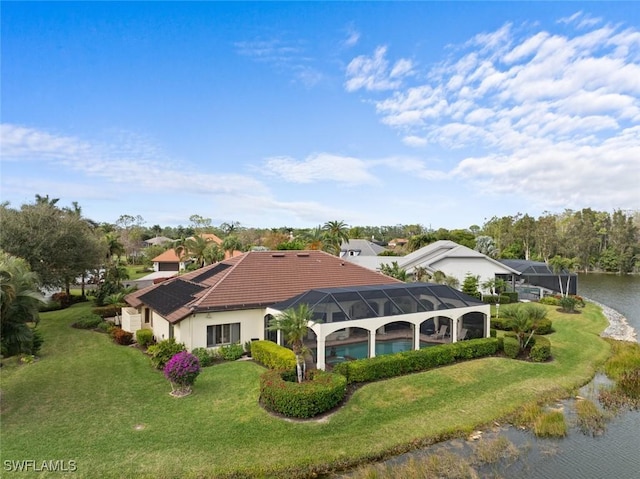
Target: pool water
[{"x": 361, "y": 350}]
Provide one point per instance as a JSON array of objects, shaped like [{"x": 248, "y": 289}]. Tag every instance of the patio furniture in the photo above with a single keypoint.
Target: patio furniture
[{"x": 441, "y": 332}]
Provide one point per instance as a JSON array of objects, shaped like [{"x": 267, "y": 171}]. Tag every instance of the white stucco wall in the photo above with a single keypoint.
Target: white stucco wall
[
  {"x": 160, "y": 326},
  {"x": 476, "y": 266},
  {"x": 131, "y": 320},
  {"x": 192, "y": 331}
]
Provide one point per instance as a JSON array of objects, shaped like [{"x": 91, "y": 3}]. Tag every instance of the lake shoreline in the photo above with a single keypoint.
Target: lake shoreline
[{"x": 619, "y": 327}]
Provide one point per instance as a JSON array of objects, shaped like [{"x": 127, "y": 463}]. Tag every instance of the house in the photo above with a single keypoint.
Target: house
[
  {"x": 398, "y": 242},
  {"x": 451, "y": 258},
  {"x": 535, "y": 278},
  {"x": 158, "y": 240},
  {"x": 362, "y": 312},
  {"x": 360, "y": 247},
  {"x": 171, "y": 261}
]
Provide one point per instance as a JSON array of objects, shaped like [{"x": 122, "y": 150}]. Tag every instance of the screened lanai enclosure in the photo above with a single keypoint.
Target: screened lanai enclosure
[{"x": 366, "y": 321}]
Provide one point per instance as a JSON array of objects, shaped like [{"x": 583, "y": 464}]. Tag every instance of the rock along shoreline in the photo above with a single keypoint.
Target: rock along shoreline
[{"x": 619, "y": 328}]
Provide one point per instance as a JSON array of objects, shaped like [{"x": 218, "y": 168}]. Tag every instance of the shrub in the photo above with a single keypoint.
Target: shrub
[
  {"x": 390, "y": 365},
  {"x": 322, "y": 392},
  {"x": 513, "y": 296},
  {"x": 503, "y": 324},
  {"x": 247, "y": 347},
  {"x": 544, "y": 326},
  {"x": 272, "y": 355},
  {"x": 88, "y": 322},
  {"x": 144, "y": 337},
  {"x": 550, "y": 300},
  {"x": 122, "y": 337},
  {"x": 36, "y": 341},
  {"x": 541, "y": 349},
  {"x": 105, "y": 327},
  {"x": 162, "y": 352},
  {"x": 204, "y": 356},
  {"x": 493, "y": 333},
  {"x": 568, "y": 304},
  {"x": 231, "y": 352},
  {"x": 106, "y": 311},
  {"x": 511, "y": 347},
  {"x": 50, "y": 306},
  {"x": 182, "y": 370},
  {"x": 496, "y": 299}
]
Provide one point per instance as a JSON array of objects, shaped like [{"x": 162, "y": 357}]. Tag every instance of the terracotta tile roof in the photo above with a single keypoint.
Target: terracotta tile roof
[
  {"x": 168, "y": 256},
  {"x": 255, "y": 279}
]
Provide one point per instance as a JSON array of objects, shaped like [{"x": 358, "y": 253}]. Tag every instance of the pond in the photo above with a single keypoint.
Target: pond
[{"x": 614, "y": 454}]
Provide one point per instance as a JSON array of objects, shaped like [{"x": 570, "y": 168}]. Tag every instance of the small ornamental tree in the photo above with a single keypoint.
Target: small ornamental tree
[{"x": 182, "y": 371}]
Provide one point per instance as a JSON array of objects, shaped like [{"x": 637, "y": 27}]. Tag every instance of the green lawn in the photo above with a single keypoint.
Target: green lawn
[{"x": 104, "y": 406}]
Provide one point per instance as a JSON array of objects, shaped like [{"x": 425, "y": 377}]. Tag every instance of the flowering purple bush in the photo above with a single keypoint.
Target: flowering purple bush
[{"x": 182, "y": 369}]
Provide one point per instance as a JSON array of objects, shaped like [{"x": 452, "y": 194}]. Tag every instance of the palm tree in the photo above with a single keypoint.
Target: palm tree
[
  {"x": 114, "y": 247},
  {"x": 230, "y": 244},
  {"x": 196, "y": 248},
  {"x": 524, "y": 318},
  {"x": 19, "y": 304},
  {"x": 315, "y": 238},
  {"x": 420, "y": 274},
  {"x": 213, "y": 253},
  {"x": 293, "y": 323},
  {"x": 337, "y": 233}
]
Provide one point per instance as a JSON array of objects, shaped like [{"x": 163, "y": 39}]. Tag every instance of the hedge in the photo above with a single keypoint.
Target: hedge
[
  {"x": 272, "y": 355},
  {"x": 511, "y": 347},
  {"x": 323, "y": 391},
  {"x": 493, "y": 299},
  {"x": 391, "y": 365},
  {"x": 541, "y": 349},
  {"x": 106, "y": 311}
]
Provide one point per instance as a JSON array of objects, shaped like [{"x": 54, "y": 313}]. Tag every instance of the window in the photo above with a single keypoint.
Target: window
[
  {"x": 223, "y": 334},
  {"x": 146, "y": 315}
]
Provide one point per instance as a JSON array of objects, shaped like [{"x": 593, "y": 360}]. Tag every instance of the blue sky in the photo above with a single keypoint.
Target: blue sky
[{"x": 272, "y": 114}]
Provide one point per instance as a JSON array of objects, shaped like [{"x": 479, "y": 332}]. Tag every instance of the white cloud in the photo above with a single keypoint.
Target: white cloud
[
  {"x": 373, "y": 73},
  {"x": 126, "y": 159},
  {"x": 550, "y": 116},
  {"x": 353, "y": 36},
  {"x": 321, "y": 167}
]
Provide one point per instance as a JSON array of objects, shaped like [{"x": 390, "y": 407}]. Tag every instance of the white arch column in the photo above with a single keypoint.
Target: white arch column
[
  {"x": 372, "y": 343},
  {"x": 320, "y": 360}
]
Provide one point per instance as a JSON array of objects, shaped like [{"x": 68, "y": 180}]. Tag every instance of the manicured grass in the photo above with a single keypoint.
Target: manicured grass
[{"x": 104, "y": 406}]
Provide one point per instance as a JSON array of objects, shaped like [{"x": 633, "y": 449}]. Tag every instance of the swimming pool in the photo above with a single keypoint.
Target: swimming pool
[{"x": 361, "y": 350}]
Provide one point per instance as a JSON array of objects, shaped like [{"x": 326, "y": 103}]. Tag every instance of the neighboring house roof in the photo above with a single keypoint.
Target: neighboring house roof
[
  {"x": 158, "y": 240},
  {"x": 531, "y": 268},
  {"x": 429, "y": 256},
  {"x": 211, "y": 237},
  {"x": 398, "y": 242},
  {"x": 168, "y": 256},
  {"x": 254, "y": 279},
  {"x": 364, "y": 247}
]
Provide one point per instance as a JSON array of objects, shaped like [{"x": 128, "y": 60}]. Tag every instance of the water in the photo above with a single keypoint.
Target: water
[
  {"x": 615, "y": 454},
  {"x": 361, "y": 350}
]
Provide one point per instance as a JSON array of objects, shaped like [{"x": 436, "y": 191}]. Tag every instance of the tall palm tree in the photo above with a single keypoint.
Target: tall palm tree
[
  {"x": 337, "y": 233},
  {"x": 293, "y": 323},
  {"x": 114, "y": 247},
  {"x": 213, "y": 253},
  {"x": 420, "y": 274}
]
